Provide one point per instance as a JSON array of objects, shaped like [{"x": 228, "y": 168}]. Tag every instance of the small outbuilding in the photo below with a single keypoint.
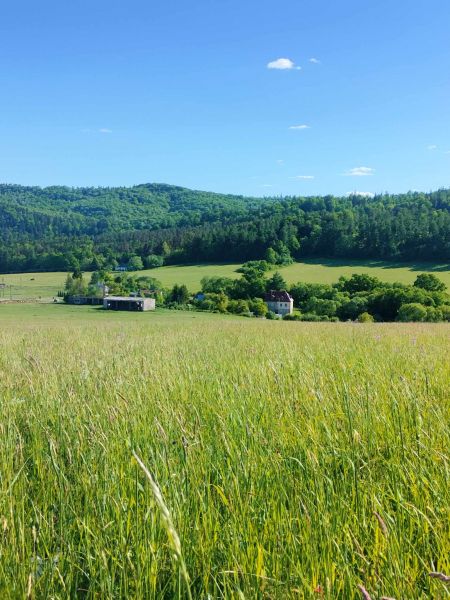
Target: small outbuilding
[
  {"x": 128, "y": 303},
  {"x": 279, "y": 302}
]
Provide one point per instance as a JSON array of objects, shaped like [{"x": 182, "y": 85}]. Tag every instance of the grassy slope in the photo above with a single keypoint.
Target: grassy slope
[
  {"x": 273, "y": 443},
  {"x": 315, "y": 271},
  {"x": 32, "y": 285}
]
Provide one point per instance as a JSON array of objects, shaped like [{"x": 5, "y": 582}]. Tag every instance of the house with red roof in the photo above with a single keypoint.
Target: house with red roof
[{"x": 279, "y": 302}]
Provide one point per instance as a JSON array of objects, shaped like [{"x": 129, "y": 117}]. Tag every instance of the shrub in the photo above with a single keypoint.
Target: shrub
[
  {"x": 179, "y": 294},
  {"x": 292, "y": 317},
  {"x": 216, "y": 285},
  {"x": 302, "y": 292},
  {"x": 271, "y": 256},
  {"x": 358, "y": 283},
  {"x": 135, "y": 263},
  {"x": 261, "y": 266},
  {"x": 313, "y": 318},
  {"x": 153, "y": 261},
  {"x": 445, "y": 309},
  {"x": 280, "y": 253},
  {"x": 429, "y": 282},
  {"x": 352, "y": 308},
  {"x": 386, "y": 302},
  {"x": 434, "y": 315},
  {"x": 412, "y": 312},
  {"x": 321, "y": 306},
  {"x": 258, "y": 307},
  {"x": 238, "y": 307},
  {"x": 365, "y": 317}
]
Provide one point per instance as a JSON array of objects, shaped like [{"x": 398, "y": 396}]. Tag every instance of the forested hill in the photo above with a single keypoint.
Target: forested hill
[
  {"x": 60, "y": 228},
  {"x": 38, "y": 212}
]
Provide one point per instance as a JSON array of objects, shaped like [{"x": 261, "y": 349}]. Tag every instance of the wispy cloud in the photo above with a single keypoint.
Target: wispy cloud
[
  {"x": 432, "y": 147},
  {"x": 101, "y": 130},
  {"x": 267, "y": 185},
  {"x": 299, "y": 127},
  {"x": 302, "y": 177},
  {"x": 283, "y": 64},
  {"x": 364, "y": 194},
  {"x": 360, "y": 172},
  {"x": 315, "y": 61},
  {"x": 280, "y": 161}
]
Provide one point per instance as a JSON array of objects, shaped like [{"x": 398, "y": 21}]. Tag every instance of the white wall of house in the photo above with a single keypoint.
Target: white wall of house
[{"x": 281, "y": 308}]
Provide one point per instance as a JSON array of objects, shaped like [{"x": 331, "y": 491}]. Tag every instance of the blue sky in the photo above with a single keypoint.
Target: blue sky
[{"x": 96, "y": 92}]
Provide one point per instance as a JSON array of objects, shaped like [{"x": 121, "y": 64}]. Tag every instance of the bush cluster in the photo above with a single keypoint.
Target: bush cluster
[{"x": 364, "y": 298}]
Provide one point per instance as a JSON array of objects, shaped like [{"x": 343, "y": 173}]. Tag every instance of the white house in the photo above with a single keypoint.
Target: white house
[{"x": 279, "y": 302}]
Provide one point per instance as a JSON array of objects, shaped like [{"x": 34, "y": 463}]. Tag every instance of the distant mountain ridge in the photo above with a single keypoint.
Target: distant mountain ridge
[{"x": 62, "y": 228}]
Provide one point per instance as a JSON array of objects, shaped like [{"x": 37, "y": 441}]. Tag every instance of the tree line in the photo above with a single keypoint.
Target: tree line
[
  {"x": 360, "y": 298},
  {"x": 60, "y": 229}
]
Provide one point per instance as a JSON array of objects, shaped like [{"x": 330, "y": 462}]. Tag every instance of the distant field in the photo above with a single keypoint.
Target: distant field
[
  {"x": 32, "y": 285},
  {"x": 45, "y": 285},
  {"x": 313, "y": 271},
  {"x": 296, "y": 460}
]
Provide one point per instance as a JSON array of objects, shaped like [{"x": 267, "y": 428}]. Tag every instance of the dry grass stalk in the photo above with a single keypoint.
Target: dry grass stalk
[
  {"x": 364, "y": 592},
  {"x": 167, "y": 520},
  {"x": 440, "y": 576},
  {"x": 381, "y": 523}
]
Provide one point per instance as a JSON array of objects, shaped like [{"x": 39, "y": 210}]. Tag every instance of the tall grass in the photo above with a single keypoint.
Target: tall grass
[{"x": 294, "y": 460}]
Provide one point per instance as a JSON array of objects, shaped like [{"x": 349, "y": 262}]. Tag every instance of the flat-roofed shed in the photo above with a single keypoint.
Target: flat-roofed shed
[{"x": 128, "y": 303}]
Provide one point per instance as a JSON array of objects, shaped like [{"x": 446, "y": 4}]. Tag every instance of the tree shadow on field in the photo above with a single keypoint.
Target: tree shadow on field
[{"x": 378, "y": 264}]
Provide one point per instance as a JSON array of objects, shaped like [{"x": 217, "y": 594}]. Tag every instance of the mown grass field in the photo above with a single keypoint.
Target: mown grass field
[
  {"x": 296, "y": 460},
  {"x": 46, "y": 285}
]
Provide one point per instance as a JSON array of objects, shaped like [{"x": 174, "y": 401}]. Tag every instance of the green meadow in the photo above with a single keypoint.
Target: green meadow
[
  {"x": 46, "y": 285},
  {"x": 187, "y": 455},
  {"x": 312, "y": 271}
]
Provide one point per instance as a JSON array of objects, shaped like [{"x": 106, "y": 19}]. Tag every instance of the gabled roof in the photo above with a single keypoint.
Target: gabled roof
[{"x": 277, "y": 296}]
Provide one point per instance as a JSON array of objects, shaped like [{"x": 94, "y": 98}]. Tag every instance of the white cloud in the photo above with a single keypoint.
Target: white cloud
[
  {"x": 299, "y": 127},
  {"x": 267, "y": 185},
  {"x": 364, "y": 194},
  {"x": 283, "y": 64},
  {"x": 432, "y": 147},
  {"x": 298, "y": 177},
  {"x": 315, "y": 61},
  {"x": 360, "y": 172},
  {"x": 280, "y": 161},
  {"x": 101, "y": 130}
]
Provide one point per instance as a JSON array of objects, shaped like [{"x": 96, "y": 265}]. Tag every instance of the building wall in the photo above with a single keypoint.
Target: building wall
[
  {"x": 281, "y": 308},
  {"x": 131, "y": 304},
  {"x": 149, "y": 304}
]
